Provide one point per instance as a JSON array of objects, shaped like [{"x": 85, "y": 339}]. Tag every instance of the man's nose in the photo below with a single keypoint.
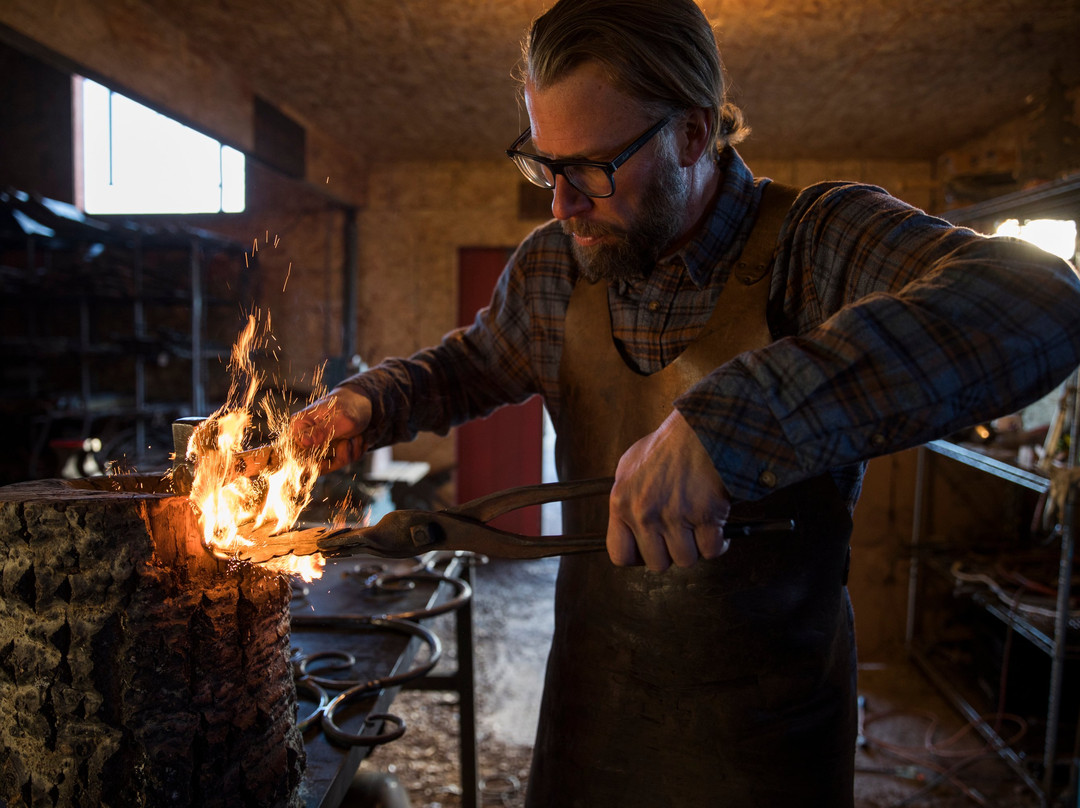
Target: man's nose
[{"x": 567, "y": 201}]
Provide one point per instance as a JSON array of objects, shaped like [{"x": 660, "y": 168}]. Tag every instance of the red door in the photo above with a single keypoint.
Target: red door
[{"x": 504, "y": 449}]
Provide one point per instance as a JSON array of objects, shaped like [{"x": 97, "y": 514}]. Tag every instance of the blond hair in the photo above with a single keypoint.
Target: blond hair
[{"x": 662, "y": 52}]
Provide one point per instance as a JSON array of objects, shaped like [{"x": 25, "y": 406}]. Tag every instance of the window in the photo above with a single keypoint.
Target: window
[
  {"x": 1057, "y": 236},
  {"x": 136, "y": 160}
]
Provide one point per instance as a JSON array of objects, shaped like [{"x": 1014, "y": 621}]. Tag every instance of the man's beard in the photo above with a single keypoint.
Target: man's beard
[{"x": 635, "y": 250}]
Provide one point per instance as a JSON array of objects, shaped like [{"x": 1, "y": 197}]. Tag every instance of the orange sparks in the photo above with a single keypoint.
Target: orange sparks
[{"x": 235, "y": 510}]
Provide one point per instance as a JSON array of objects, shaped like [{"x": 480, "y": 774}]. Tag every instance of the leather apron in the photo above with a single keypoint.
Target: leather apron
[{"x": 729, "y": 683}]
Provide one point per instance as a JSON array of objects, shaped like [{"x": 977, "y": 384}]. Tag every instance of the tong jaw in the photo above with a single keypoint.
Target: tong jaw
[{"x": 399, "y": 534}]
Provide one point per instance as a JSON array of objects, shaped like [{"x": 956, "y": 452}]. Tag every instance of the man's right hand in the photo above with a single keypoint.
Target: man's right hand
[
  {"x": 668, "y": 504},
  {"x": 338, "y": 419}
]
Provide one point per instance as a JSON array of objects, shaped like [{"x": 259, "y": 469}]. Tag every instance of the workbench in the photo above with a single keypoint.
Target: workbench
[{"x": 346, "y": 590}]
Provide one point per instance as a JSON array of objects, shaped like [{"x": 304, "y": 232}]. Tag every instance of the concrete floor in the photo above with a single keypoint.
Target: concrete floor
[{"x": 512, "y": 627}]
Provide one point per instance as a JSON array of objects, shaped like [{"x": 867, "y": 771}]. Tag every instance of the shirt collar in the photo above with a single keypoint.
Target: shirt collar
[{"x": 722, "y": 236}]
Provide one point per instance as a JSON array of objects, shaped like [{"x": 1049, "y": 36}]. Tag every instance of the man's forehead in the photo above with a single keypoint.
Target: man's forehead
[{"x": 582, "y": 115}]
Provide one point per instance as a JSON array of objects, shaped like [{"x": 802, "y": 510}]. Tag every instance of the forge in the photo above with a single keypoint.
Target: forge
[{"x": 136, "y": 669}]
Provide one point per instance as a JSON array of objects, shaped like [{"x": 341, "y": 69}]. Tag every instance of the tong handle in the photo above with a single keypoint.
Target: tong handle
[
  {"x": 487, "y": 507},
  {"x": 403, "y": 534}
]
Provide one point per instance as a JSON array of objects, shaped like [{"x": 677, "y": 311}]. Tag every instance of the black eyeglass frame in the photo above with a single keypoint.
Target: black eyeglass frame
[{"x": 557, "y": 167}]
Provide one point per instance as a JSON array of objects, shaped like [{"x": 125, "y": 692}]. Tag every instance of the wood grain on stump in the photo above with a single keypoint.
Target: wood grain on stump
[{"x": 135, "y": 668}]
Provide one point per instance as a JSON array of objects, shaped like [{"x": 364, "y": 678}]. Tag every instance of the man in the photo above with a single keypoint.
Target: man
[{"x": 727, "y": 350}]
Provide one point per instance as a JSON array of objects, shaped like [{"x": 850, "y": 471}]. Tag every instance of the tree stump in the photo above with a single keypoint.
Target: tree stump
[{"x": 135, "y": 668}]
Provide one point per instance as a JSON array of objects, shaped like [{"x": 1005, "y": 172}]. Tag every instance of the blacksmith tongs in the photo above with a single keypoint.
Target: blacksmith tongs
[{"x": 406, "y": 533}]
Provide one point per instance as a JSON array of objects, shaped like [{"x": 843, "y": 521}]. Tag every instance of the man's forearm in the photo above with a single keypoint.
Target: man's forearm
[{"x": 432, "y": 391}]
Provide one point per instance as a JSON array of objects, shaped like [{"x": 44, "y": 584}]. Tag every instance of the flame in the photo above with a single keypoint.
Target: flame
[{"x": 236, "y": 510}]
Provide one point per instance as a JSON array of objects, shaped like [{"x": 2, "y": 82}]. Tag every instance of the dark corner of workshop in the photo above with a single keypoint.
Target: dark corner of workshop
[{"x": 213, "y": 213}]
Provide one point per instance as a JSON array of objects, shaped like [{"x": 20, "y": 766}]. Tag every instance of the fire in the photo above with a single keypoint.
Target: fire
[{"x": 235, "y": 508}]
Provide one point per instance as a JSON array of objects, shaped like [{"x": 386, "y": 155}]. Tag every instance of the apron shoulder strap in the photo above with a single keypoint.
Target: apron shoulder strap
[{"x": 757, "y": 255}]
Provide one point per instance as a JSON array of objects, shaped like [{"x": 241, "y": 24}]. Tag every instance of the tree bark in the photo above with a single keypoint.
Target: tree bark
[{"x": 135, "y": 668}]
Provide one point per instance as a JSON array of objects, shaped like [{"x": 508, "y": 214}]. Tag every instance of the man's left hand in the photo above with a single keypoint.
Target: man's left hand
[{"x": 668, "y": 504}]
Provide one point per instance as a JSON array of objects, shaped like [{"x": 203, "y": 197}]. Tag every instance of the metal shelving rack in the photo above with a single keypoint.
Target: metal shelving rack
[
  {"x": 1053, "y": 643},
  {"x": 110, "y": 322}
]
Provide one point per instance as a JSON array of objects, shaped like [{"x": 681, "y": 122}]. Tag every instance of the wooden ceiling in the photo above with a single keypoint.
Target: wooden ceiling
[{"x": 824, "y": 79}]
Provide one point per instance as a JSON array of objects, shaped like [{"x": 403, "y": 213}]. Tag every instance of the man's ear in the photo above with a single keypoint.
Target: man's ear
[{"x": 693, "y": 135}]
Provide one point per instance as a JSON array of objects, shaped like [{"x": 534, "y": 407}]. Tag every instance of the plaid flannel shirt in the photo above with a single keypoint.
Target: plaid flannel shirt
[{"x": 892, "y": 328}]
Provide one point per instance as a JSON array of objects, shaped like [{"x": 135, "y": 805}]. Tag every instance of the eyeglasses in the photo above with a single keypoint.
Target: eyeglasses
[{"x": 591, "y": 178}]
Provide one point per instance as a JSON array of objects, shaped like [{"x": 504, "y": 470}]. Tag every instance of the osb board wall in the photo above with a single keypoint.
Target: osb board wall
[
  {"x": 301, "y": 259},
  {"x": 36, "y": 119},
  {"x": 419, "y": 215},
  {"x": 879, "y": 556},
  {"x": 1018, "y": 153},
  {"x": 294, "y": 238},
  {"x": 910, "y": 180}
]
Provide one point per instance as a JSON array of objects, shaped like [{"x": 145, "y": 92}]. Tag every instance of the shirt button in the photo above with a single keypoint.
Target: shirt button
[
  {"x": 654, "y": 306},
  {"x": 878, "y": 441},
  {"x": 767, "y": 479}
]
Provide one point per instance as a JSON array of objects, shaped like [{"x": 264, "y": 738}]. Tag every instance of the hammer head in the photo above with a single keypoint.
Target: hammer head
[
  {"x": 183, "y": 470},
  {"x": 181, "y": 435}
]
